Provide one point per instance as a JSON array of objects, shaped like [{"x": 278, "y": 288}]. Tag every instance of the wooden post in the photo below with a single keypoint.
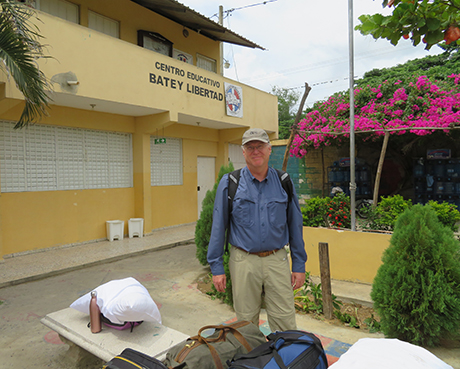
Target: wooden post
[
  {"x": 375, "y": 198},
  {"x": 325, "y": 279},
  {"x": 293, "y": 128}
]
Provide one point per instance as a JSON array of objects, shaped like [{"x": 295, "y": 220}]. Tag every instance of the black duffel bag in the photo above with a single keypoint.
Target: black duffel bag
[{"x": 132, "y": 359}]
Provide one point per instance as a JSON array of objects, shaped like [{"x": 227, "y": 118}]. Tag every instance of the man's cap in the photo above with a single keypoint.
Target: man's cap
[{"x": 255, "y": 134}]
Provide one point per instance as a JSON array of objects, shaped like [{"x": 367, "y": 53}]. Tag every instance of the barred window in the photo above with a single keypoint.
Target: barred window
[
  {"x": 165, "y": 161},
  {"x": 49, "y": 158}
]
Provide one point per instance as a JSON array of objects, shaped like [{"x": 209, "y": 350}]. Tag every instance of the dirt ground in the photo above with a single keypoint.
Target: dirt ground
[{"x": 361, "y": 313}]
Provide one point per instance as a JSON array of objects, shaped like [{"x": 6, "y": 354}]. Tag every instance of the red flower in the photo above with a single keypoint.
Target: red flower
[{"x": 330, "y": 215}]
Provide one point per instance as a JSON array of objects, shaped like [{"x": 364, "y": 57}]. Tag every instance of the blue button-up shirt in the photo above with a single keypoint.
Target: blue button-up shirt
[{"x": 259, "y": 220}]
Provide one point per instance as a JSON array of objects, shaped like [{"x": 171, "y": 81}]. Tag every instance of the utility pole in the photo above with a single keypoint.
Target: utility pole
[{"x": 221, "y": 56}]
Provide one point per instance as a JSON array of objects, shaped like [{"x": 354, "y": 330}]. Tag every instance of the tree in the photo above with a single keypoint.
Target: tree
[
  {"x": 287, "y": 99},
  {"x": 417, "y": 288},
  {"x": 438, "y": 66},
  {"x": 19, "y": 50},
  {"x": 431, "y": 22},
  {"x": 418, "y": 98}
]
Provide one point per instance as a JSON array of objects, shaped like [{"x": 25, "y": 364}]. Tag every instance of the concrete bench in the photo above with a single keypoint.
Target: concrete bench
[{"x": 150, "y": 338}]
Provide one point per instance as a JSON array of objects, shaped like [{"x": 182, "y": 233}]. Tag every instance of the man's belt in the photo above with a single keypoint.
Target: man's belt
[{"x": 261, "y": 254}]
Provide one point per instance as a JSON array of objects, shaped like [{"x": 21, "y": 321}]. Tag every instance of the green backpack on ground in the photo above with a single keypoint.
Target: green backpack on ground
[{"x": 212, "y": 352}]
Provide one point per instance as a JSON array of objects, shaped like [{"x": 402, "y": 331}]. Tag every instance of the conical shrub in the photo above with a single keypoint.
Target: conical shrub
[
  {"x": 417, "y": 288},
  {"x": 204, "y": 224}
]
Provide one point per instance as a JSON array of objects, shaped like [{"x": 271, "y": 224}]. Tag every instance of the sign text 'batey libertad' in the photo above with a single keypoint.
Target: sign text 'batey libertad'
[{"x": 172, "y": 77}]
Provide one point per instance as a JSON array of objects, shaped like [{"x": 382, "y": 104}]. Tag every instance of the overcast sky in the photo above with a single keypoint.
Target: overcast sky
[{"x": 305, "y": 41}]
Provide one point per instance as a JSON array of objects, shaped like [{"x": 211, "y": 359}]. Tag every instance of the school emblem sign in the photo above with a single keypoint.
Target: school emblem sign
[{"x": 234, "y": 100}]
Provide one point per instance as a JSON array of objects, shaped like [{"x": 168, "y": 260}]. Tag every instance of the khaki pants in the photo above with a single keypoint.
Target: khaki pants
[{"x": 252, "y": 276}]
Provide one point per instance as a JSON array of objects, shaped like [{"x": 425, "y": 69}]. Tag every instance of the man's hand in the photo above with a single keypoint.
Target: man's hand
[
  {"x": 220, "y": 282},
  {"x": 297, "y": 280}
]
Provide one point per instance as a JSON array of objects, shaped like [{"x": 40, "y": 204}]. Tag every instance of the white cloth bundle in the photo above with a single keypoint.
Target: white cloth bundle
[
  {"x": 120, "y": 301},
  {"x": 383, "y": 353}
]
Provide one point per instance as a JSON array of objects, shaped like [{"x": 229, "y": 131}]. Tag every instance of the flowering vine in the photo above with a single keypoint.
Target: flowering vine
[{"x": 417, "y": 106}]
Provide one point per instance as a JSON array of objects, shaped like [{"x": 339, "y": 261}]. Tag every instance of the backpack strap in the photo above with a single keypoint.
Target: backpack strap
[
  {"x": 286, "y": 183},
  {"x": 233, "y": 182}
]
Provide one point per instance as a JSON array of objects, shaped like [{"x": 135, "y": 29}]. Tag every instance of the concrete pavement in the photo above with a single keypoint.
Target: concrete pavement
[{"x": 58, "y": 276}]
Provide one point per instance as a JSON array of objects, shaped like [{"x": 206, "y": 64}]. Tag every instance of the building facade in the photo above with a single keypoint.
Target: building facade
[{"x": 140, "y": 121}]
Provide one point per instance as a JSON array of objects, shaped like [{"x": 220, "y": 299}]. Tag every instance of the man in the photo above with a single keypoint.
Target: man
[{"x": 261, "y": 224}]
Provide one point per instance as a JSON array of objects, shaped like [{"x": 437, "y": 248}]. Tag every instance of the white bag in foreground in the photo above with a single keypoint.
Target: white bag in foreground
[
  {"x": 383, "y": 353},
  {"x": 122, "y": 300}
]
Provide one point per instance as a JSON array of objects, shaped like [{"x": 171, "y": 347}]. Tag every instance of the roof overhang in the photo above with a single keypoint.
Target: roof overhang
[{"x": 191, "y": 19}]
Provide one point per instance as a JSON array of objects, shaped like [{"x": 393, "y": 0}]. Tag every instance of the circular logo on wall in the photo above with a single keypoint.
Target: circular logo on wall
[{"x": 233, "y": 99}]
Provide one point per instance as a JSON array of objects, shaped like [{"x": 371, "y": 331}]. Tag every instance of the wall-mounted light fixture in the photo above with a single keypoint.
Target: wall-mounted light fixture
[
  {"x": 185, "y": 32},
  {"x": 226, "y": 63},
  {"x": 73, "y": 83}
]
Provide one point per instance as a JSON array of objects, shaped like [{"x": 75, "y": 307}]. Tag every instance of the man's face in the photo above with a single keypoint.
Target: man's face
[{"x": 256, "y": 154}]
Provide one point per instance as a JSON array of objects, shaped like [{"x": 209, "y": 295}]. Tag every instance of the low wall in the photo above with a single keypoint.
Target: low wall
[{"x": 353, "y": 256}]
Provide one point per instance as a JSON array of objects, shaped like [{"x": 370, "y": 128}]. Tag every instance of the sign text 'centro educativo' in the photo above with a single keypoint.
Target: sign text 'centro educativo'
[{"x": 170, "y": 80}]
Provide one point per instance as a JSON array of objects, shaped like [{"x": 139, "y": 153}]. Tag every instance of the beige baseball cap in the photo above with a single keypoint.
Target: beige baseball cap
[{"x": 255, "y": 134}]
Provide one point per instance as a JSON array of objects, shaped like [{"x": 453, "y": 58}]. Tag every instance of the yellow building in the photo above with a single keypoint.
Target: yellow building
[{"x": 140, "y": 122}]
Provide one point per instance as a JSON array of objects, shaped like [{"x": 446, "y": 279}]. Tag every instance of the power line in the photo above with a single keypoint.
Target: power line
[
  {"x": 229, "y": 11},
  {"x": 324, "y": 63}
]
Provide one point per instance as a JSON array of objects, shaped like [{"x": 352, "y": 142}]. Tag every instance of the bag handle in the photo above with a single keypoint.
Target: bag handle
[{"x": 223, "y": 330}]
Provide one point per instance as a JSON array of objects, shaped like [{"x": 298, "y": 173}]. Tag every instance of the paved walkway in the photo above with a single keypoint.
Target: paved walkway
[
  {"x": 44, "y": 263},
  {"x": 48, "y": 262}
]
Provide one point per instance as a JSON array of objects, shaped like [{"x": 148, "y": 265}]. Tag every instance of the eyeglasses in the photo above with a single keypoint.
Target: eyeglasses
[{"x": 253, "y": 148}]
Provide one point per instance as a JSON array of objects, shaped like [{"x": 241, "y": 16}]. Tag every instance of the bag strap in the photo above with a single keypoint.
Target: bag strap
[{"x": 223, "y": 330}]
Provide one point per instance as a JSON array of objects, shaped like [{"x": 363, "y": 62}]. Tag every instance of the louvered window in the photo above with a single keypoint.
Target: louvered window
[
  {"x": 49, "y": 158},
  {"x": 60, "y": 8},
  {"x": 165, "y": 161},
  {"x": 206, "y": 63},
  {"x": 103, "y": 24}
]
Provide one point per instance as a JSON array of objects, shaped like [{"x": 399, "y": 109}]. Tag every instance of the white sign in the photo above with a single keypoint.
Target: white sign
[
  {"x": 180, "y": 55},
  {"x": 234, "y": 100}
]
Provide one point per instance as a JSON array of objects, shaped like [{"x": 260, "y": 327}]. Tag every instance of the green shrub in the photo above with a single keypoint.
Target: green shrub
[
  {"x": 203, "y": 234},
  {"x": 204, "y": 223},
  {"x": 417, "y": 288},
  {"x": 314, "y": 212},
  {"x": 327, "y": 212},
  {"x": 447, "y": 213},
  {"x": 338, "y": 211},
  {"x": 384, "y": 216}
]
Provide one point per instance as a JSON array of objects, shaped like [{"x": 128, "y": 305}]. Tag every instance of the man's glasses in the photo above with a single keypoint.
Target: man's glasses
[{"x": 253, "y": 148}]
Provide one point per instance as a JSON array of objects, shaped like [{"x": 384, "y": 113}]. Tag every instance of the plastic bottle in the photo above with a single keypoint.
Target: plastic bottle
[{"x": 94, "y": 314}]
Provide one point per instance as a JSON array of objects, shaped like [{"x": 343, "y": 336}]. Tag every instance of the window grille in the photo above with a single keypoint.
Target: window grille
[
  {"x": 49, "y": 158},
  {"x": 60, "y": 8},
  {"x": 166, "y": 162},
  {"x": 103, "y": 24},
  {"x": 206, "y": 63}
]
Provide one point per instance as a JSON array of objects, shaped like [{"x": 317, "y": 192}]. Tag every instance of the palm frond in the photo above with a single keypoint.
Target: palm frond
[{"x": 20, "y": 48}]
